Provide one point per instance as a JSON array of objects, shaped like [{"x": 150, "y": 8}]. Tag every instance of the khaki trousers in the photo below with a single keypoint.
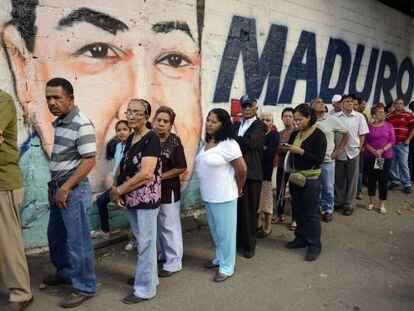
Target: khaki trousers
[{"x": 13, "y": 264}]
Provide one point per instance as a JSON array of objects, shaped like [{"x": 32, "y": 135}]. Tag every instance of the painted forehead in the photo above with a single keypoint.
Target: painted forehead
[{"x": 146, "y": 17}]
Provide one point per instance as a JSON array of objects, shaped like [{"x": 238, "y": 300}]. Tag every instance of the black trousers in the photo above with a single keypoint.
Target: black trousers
[
  {"x": 247, "y": 206},
  {"x": 305, "y": 205},
  {"x": 378, "y": 176}
]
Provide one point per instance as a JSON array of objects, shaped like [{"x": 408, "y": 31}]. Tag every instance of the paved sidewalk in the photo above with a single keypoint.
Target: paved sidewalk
[{"x": 367, "y": 263}]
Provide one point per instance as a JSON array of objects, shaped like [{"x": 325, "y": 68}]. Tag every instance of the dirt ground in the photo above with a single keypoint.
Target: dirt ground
[{"x": 367, "y": 263}]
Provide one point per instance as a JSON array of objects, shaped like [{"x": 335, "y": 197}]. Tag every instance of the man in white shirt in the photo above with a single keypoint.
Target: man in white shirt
[
  {"x": 347, "y": 163},
  {"x": 329, "y": 125}
]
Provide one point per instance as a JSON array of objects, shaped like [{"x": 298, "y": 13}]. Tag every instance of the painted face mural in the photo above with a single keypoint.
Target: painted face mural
[{"x": 111, "y": 54}]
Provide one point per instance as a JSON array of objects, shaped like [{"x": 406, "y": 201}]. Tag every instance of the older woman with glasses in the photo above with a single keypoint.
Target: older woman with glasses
[
  {"x": 138, "y": 187},
  {"x": 378, "y": 156},
  {"x": 169, "y": 236}
]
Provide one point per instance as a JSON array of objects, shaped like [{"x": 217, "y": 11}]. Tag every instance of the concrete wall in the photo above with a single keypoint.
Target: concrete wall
[{"x": 193, "y": 56}]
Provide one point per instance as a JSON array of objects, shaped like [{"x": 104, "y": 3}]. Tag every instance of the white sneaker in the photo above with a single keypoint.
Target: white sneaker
[
  {"x": 99, "y": 234},
  {"x": 132, "y": 245},
  {"x": 370, "y": 207}
]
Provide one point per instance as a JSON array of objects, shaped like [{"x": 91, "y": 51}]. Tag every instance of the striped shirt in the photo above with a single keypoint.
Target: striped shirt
[
  {"x": 74, "y": 140},
  {"x": 403, "y": 123}
]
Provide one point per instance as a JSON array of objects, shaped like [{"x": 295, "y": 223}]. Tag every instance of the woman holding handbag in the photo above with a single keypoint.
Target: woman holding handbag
[{"x": 307, "y": 149}]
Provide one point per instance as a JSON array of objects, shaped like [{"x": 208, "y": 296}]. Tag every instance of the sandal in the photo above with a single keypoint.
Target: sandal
[
  {"x": 280, "y": 219},
  {"x": 382, "y": 210},
  {"x": 293, "y": 226},
  {"x": 370, "y": 207},
  {"x": 262, "y": 234}
]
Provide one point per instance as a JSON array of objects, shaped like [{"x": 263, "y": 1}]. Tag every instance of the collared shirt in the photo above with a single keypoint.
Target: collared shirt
[
  {"x": 10, "y": 177},
  {"x": 74, "y": 140},
  {"x": 245, "y": 124},
  {"x": 357, "y": 125},
  {"x": 403, "y": 123},
  {"x": 330, "y": 125}
]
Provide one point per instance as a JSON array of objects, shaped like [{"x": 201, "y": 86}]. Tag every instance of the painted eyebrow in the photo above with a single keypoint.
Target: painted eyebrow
[
  {"x": 98, "y": 19},
  {"x": 166, "y": 27}
]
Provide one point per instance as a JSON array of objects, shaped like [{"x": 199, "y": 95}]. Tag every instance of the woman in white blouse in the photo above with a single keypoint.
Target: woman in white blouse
[{"x": 222, "y": 172}]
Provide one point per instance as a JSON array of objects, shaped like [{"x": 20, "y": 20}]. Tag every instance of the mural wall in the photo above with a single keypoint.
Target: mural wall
[{"x": 191, "y": 55}]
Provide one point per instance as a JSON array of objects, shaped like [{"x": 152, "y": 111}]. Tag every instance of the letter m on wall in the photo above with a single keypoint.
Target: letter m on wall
[{"x": 242, "y": 40}]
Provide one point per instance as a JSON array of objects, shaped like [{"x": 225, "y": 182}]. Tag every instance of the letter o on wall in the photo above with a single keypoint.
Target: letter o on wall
[{"x": 406, "y": 66}]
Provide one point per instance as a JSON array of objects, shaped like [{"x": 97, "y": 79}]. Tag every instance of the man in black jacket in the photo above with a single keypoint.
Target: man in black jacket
[{"x": 250, "y": 133}]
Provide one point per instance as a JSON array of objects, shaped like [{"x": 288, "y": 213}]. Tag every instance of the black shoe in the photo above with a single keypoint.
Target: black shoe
[
  {"x": 249, "y": 253},
  {"x": 348, "y": 212},
  {"x": 407, "y": 189},
  {"x": 165, "y": 274},
  {"x": 220, "y": 277},
  {"x": 131, "y": 281},
  {"x": 392, "y": 186},
  {"x": 327, "y": 217},
  {"x": 294, "y": 244},
  {"x": 55, "y": 280},
  {"x": 311, "y": 256},
  {"x": 210, "y": 265},
  {"x": 131, "y": 298}
]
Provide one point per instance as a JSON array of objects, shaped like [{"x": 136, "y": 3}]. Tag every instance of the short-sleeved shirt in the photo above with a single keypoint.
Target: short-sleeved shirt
[
  {"x": 403, "y": 123},
  {"x": 74, "y": 141},
  {"x": 148, "y": 195},
  {"x": 10, "y": 177},
  {"x": 357, "y": 125},
  {"x": 172, "y": 155},
  {"x": 215, "y": 173},
  {"x": 330, "y": 125}
]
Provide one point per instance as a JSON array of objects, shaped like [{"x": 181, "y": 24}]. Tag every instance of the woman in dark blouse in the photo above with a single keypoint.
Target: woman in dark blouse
[
  {"x": 169, "y": 236},
  {"x": 138, "y": 187},
  {"x": 307, "y": 149}
]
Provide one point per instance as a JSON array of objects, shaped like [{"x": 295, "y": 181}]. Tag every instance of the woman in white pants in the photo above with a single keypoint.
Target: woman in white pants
[{"x": 169, "y": 234}]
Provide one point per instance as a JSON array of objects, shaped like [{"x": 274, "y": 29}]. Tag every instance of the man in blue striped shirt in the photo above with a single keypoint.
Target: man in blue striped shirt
[{"x": 73, "y": 157}]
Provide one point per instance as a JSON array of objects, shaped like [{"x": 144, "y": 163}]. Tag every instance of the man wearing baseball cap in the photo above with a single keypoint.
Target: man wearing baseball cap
[
  {"x": 250, "y": 133},
  {"x": 336, "y": 103}
]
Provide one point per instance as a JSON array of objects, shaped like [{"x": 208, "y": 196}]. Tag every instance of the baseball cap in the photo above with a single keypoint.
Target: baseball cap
[
  {"x": 246, "y": 99},
  {"x": 336, "y": 98},
  {"x": 348, "y": 95}
]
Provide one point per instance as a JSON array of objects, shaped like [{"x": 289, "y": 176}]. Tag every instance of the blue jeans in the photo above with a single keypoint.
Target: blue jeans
[
  {"x": 326, "y": 197},
  {"x": 70, "y": 242},
  {"x": 400, "y": 172},
  {"x": 222, "y": 221},
  {"x": 144, "y": 227}
]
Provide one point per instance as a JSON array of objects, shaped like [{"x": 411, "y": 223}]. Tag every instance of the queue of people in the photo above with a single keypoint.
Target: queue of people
[{"x": 319, "y": 156}]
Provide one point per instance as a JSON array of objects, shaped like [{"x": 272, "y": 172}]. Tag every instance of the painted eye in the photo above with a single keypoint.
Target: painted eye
[
  {"x": 174, "y": 60},
  {"x": 98, "y": 50}
]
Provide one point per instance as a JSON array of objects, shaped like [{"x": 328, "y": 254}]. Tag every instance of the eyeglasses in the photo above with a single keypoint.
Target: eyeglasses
[{"x": 134, "y": 113}]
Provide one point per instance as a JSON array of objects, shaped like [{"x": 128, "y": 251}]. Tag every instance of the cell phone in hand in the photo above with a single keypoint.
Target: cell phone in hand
[{"x": 285, "y": 145}]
